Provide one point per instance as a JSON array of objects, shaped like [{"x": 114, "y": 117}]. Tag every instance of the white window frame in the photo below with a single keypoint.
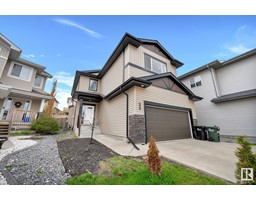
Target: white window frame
[
  {"x": 163, "y": 64},
  {"x": 11, "y": 68},
  {"x": 196, "y": 80},
  {"x": 41, "y": 84},
  {"x": 89, "y": 87}
]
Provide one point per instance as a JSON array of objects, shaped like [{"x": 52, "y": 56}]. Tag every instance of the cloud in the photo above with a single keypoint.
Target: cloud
[
  {"x": 61, "y": 96},
  {"x": 42, "y": 55},
  {"x": 238, "y": 49},
  {"x": 243, "y": 39},
  {"x": 30, "y": 56},
  {"x": 58, "y": 54},
  {"x": 78, "y": 26},
  {"x": 65, "y": 78}
]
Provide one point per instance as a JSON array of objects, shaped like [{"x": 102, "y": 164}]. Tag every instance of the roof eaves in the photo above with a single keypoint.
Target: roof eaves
[
  {"x": 126, "y": 39},
  {"x": 199, "y": 69},
  {"x": 127, "y": 85},
  {"x": 235, "y": 96}
]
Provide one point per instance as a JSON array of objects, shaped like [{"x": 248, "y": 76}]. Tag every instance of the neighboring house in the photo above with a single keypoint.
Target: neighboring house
[
  {"x": 22, "y": 84},
  {"x": 135, "y": 95},
  {"x": 229, "y": 92},
  {"x": 55, "y": 109}
]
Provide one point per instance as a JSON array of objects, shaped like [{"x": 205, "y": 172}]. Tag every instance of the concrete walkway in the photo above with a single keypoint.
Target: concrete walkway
[{"x": 217, "y": 159}]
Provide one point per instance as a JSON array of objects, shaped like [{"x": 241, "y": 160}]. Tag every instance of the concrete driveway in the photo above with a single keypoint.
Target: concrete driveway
[{"x": 217, "y": 159}]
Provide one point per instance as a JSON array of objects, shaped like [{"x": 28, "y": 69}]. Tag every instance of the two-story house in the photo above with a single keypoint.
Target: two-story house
[
  {"x": 135, "y": 95},
  {"x": 229, "y": 92},
  {"x": 22, "y": 86}
]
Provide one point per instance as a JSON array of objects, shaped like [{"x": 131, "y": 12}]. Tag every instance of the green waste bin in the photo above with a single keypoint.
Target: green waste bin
[{"x": 213, "y": 133}]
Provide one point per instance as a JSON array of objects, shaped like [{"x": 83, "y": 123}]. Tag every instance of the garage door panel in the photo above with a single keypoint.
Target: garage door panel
[{"x": 167, "y": 124}]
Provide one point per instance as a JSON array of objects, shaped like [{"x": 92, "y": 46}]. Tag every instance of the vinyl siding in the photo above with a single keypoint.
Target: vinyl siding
[
  {"x": 238, "y": 76},
  {"x": 17, "y": 83},
  {"x": 159, "y": 95},
  {"x": 83, "y": 84},
  {"x": 113, "y": 115},
  {"x": 131, "y": 71},
  {"x": 113, "y": 77},
  {"x": 136, "y": 56},
  {"x": 233, "y": 117}
]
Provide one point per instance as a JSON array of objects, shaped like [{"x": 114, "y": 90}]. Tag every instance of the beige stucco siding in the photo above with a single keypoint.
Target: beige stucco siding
[
  {"x": 238, "y": 76},
  {"x": 4, "y": 53},
  {"x": 17, "y": 83},
  {"x": 113, "y": 115},
  {"x": 159, "y": 95},
  {"x": 136, "y": 56},
  {"x": 41, "y": 90},
  {"x": 35, "y": 105},
  {"x": 83, "y": 84},
  {"x": 113, "y": 77}
]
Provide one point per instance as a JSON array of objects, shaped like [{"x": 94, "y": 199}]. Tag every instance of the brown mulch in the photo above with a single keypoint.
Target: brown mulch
[{"x": 79, "y": 156}]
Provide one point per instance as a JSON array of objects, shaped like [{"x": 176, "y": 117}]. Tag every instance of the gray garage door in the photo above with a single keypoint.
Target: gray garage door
[{"x": 167, "y": 124}]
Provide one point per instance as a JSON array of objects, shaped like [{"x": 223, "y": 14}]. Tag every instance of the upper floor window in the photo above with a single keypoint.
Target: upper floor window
[
  {"x": 93, "y": 85},
  {"x": 155, "y": 65},
  {"x": 20, "y": 72},
  {"x": 195, "y": 81},
  {"x": 38, "y": 81}
]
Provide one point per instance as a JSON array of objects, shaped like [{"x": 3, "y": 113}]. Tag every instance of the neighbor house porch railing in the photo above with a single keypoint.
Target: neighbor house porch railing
[{"x": 23, "y": 118}]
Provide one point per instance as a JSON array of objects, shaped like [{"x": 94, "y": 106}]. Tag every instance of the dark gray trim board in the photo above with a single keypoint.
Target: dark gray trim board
[
  {"x": 86, "y": 96},
  {"x": 219, "y": 64},
  {"x": 235, "y": 96},
  {"x": 171, "y": 107},
  {"x": 139, "y": 67},
  {"x": 127, "y": 85}
]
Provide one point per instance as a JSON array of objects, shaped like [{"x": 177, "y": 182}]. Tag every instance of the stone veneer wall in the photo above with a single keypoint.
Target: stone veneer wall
[{"x": 137, "y": 128}]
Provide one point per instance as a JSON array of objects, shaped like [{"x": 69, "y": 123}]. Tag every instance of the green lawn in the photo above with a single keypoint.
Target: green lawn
[
  {"x": 25, "y": 132},
  {"x": 129, "y": 171}
]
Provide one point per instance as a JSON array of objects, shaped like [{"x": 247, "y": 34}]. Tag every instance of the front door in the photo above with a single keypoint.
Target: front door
[
  {"x": 88, "y": 114},
  {"x": 6, "y": 109}
]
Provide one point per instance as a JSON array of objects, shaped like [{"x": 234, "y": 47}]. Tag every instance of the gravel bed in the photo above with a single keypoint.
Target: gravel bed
[
  {"x": 18, "y": 144},
  {"x": 38, "y": 165},
  {"x": 79, "y": 156}
]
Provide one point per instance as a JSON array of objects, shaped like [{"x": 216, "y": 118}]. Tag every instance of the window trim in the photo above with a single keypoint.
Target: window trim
[
  {"x": 195, "y": 82},
  {"x": 152, "y": 57},
  {"x": 11, "y": 68},
  {"x": 41, "y": 84},
  {"x": 91, "y": 79}
]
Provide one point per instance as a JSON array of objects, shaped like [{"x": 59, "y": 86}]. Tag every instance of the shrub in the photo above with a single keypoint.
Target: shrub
[
  {"x": 46, "y": 125},
  {"x": 153, "y": 159},
  {"x": 246, "y": 159}
]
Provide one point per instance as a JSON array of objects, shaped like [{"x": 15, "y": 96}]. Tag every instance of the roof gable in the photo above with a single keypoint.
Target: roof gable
[
  {"x": 155, "y": 49},
  {"x": 168, "y": 84},
  {"x": 178, "y": 86},
  {"x": 130, "y": 39}
]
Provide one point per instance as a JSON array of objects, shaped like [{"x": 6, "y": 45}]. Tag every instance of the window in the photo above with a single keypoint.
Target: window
[
  {"x": 154, "y": 65},
  {"x": 20, "y": 72},
  {"x": 16, "y": 70},
  {"x": 195, "y": 81},
  {"x": 93, "y": 85},
  {"x": 38, "y": 81}
]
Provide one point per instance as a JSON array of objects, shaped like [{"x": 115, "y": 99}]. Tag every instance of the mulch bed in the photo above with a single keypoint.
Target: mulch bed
[{"x": 79, "y": 156}]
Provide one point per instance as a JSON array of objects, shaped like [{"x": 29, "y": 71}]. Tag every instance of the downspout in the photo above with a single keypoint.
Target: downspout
[
  {"x": 214, "y": 82},
  {"x": 127, "y": 118}
]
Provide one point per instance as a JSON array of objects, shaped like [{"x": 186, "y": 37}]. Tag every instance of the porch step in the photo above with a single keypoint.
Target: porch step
[{"x": 4, "y": 128}]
